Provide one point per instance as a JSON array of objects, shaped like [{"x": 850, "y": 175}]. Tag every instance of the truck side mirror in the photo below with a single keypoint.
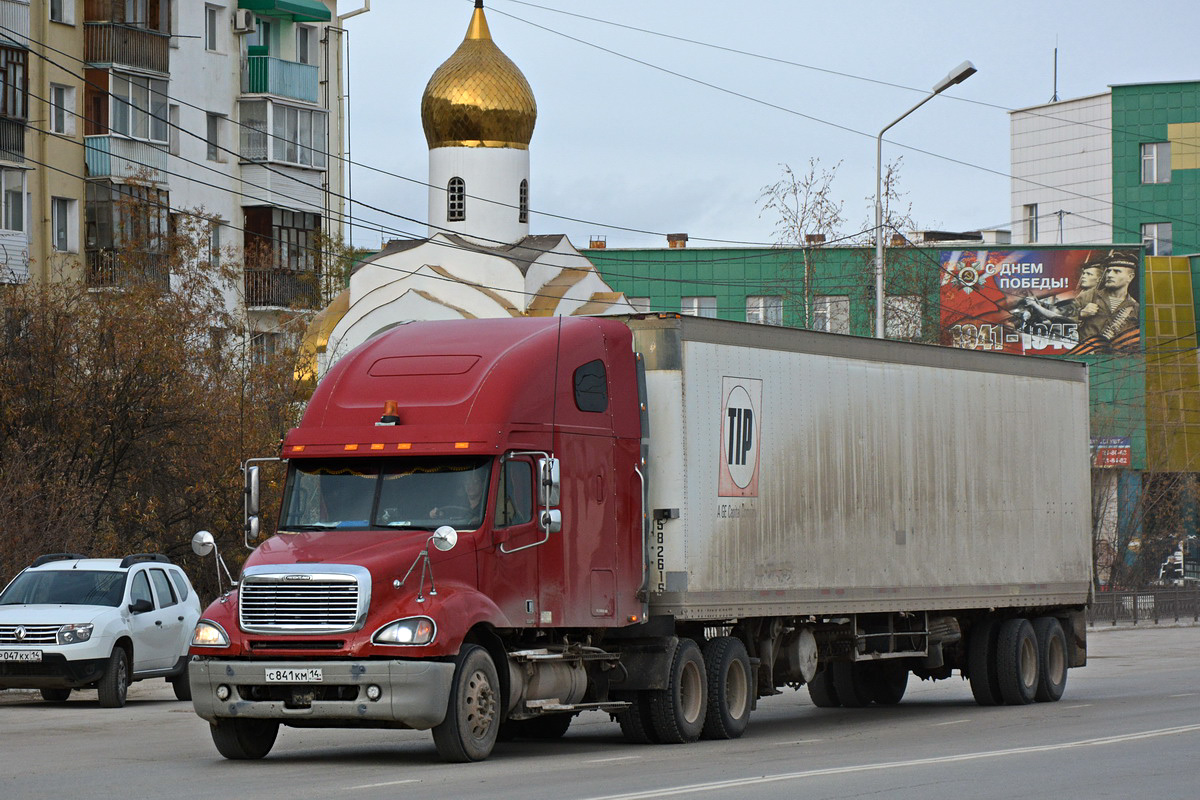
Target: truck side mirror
[
  {"x": 203, "y": 543},
  {"x": 253, "y": 528},
  {"x": 551, "y": 481},
  {"x": 252, "y": 492},
  {"x": 551, "y": 520}
]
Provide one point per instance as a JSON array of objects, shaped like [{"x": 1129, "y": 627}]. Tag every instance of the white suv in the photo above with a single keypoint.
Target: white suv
[{"x": 70, "y": 622}]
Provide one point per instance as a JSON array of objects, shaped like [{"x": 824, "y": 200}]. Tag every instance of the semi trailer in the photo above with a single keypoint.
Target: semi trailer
[{"x": 491, "y": 526}]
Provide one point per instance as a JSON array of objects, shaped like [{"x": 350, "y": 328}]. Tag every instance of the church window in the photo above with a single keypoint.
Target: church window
[
  {"x": 456, "y": 200},
  {"x": 523, "y": 205}
]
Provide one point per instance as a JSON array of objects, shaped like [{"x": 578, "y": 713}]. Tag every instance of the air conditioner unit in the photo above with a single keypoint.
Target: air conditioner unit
[{"x": 243, "y": 21}]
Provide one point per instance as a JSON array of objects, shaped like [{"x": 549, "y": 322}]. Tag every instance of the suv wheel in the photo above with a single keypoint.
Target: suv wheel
[{"x": 114, "y": 686}]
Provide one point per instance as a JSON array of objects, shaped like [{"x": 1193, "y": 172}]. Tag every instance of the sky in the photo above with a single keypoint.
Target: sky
[{"x": 640, "y": 134}]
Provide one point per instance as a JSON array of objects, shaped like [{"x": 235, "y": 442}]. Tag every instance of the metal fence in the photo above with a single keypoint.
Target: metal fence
[{"x": 1160, "y": 605}]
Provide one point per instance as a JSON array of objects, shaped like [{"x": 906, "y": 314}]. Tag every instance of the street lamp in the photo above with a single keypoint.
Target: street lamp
[{"x": 957, "y": 75}]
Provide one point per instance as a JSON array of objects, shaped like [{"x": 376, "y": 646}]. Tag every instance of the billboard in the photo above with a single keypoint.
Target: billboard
[{"x": 1041, "y": 302}]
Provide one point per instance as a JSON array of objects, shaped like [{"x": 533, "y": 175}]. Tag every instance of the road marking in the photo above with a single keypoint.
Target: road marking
[
  {"x": 951, "y": 722},
  {"x": 606, "y": 760},
  {"x": 799, "y": 741},
  {"x": 1185, "y": 694},
  {"x": 695, "y": 788},
  {"x": 378, "y": 785},
  {"x": 1077, "y": 705}
]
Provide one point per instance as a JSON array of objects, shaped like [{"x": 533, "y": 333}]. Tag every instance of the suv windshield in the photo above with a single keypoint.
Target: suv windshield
[
  {"x": 418, "y": 493},
  {"x": 65, "y": 587}
]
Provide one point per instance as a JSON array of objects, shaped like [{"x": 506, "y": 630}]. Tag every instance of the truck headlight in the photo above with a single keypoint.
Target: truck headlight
[
  {"x": 74, "y": 634},
  {"x": 209, "y": 634},
  {"x": 414, "y": 630}
]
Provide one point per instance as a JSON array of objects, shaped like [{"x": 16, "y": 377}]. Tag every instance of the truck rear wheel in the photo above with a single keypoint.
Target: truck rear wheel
[
  {"x": 729, "y": 684},
  {"x": 1017, "y": 662},
  {"x": 981, "y": 663},
  {"x": 821, "y": 691},
  {"x": 468, "y": 733},
  {"x": 678, "y": 711},
  {"x": 241, "y": 739},
  {"x": 636, "y": 724},
  {"x": 851, "y": 684},
  {"x": 1052, "y": 654},
  {"x": 888, "y": 681}
]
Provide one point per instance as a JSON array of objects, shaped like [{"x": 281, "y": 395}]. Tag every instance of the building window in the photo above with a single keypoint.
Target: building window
[
  {"x": 64, "y": 223},
  {"x": 298, "y": 136},
  {"x": 62, "y": 109},
  {"x": 523, "y": 202},
  {"x": 214, "y": 244},
  {"x": 698, "y": 306},
  {"x": 126, "y": 233},
  {"x": 456, "y": 200},
  {"x": 903, "y": 317},
  {"x": 261, "y": 36},
  {"x": 764, "y": 309},
  {"x": 1031, "y": 223},
  {"x": 15, "y": 97},
  {"x": 1156, "y": 238},
  {"x": 831, "y": 313},
  {"x": 306, "y": 37},
  {"x": 212, "y": 21},
  {"x": 12, "y": 190},
  {"x": 62, "y": 11},
  {"x": 640, "y": 304},
  {"x": 212, "y": 137},
  {"x": 139, "y": 107},
  {"x": 1156, "y": 162}
]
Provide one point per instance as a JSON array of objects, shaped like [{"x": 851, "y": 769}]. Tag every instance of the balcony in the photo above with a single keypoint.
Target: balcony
[
  {"x": 112, "y": 269},
  {"x": 121, "y": 45},
  {"x": 12, "y": 140},
  {"x": 14, "y": 257},
  {"x": 290, "y": 79},
  {"x": 14, "y": 19},
  {"x": 282, "y": 288},
  {"x": 121, "y": 159}
]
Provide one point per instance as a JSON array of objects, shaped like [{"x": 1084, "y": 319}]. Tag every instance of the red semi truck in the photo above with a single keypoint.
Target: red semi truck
[{"x": 491, "y": 526}]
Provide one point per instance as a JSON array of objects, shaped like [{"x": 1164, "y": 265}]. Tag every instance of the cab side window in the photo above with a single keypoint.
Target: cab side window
[
  {"x": 514, "y": 506},
  {"x": 591, "y": 387},
  {"x": 162, "y": 586},
  {"x": 140, "y": 589}
]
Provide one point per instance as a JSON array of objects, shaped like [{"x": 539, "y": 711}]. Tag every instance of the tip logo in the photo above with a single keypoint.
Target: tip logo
[{"x": 741, "y": 432}]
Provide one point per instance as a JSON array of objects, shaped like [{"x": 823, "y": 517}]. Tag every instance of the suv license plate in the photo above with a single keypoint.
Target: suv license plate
[
  {"x": 20, "y": 655},
  {"x": 311, "y": 675}
]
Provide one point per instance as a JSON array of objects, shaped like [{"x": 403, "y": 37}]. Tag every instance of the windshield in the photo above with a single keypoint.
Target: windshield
[
  {"x": 418, "y": 493},
  {"x": 65, "y": 587}
]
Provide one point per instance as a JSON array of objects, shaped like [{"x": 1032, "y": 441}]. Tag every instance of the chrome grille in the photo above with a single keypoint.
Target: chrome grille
[
  {"x": 34, "y": 634},
  {"x": 304, "y": 599}
]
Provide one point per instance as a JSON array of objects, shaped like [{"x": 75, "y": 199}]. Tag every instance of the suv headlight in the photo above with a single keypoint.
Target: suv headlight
[
  {"x": 74, "y": 634},
  {"x": 209, "y": 634},
  {"x": 414, "y": 630}
]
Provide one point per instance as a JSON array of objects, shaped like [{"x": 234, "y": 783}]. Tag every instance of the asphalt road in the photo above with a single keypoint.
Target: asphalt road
[{"x": 1128, "y": 726}]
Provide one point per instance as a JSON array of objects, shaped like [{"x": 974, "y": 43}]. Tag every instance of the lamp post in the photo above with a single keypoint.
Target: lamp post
[{"x": 955, "y": 76}]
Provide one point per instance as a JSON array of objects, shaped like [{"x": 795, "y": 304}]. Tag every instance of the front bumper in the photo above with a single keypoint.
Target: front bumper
[
  {"x": 54, "y": 671},
  {"x": 414, "y": 694}
]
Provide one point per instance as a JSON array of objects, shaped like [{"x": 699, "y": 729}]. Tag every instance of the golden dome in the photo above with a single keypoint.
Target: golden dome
[{"x": 478, "y": 97}]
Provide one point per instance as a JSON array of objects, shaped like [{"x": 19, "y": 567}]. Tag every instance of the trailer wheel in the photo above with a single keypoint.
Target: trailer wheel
[
  {"x": 635, "y": 722},
  {"x": 821, "y": 691},
  {"x": 241, "y": 739},
  {"x": 678, "y": 711},
  {"x": 729, "y": 688},
  {"x": 888, "y": 681},
  {"x": 468, "y": 733},
  {"x": 1017, "y": 662},
  {"x": 851, "y": 684},
  {"x": 981, "y": 663},
  {"x": 1052, "y": 654}
]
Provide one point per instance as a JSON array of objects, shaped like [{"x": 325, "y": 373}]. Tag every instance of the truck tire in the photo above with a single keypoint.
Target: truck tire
[
  {"x": 114, "y": 684},
  {"x": 468, "y": 733},
  {"x": 635, "y": 722},
  {"x": 1017, "y": 662},
  {"x": 56, "y": 695},
  {"x": 243, "y": 739},
  {"x": 1052, "y": 659},
  {"x": 821, "y": 691},
  {"x": 981, "y": 663},
  {"x": 851, "y": 684},
  {"x": 888, "y": 681},
  {"x": 677, "y": 712},
  {"x": 729, "y": 688}
]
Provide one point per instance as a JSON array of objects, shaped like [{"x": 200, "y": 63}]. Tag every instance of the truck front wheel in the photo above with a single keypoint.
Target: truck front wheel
[
  {"x": 241, "y": 739},
  {"x": 678, "y": 711},
  {"x": 472, "y": 721}
]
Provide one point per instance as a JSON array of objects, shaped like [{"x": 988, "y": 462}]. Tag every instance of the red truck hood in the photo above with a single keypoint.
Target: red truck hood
[{"x": 382, "y": 552}]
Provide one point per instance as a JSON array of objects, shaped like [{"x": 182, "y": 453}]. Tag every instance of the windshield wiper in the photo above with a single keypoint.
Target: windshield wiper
[{"x": 315, "y": 526}]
